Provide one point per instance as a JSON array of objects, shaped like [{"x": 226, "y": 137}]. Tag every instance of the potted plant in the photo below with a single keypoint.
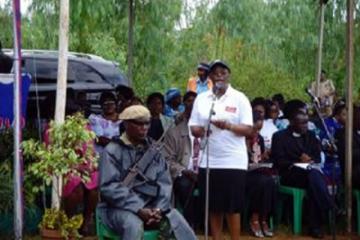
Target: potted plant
[
  {"x": 65, "y": 152},
  {"x": 55, "y": 224}
]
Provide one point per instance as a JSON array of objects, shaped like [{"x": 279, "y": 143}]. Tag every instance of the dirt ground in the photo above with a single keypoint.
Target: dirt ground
[
  {"x": 282, "y": 232},
  {"x": 277, "y": 237},
  {"x": 246, "y": 236}
]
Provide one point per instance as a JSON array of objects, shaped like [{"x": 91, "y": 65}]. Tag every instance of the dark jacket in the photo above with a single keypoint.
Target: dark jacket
[
  {"x": 117, "y": 198},
  {"x": 286, "y": 149},
  {"x": 115, "y": 161}
]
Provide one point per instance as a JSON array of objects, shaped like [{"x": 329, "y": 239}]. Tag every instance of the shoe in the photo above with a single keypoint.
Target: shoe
[
  {"x": 316, "y": 233},
  {"x": 256, "y": 229},
  {"x": 266, "y": 230}
]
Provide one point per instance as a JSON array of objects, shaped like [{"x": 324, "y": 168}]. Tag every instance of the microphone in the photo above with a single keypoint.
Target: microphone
[
  {"x": 217, "y": 87},
  {"x": 312, "y": 96}
]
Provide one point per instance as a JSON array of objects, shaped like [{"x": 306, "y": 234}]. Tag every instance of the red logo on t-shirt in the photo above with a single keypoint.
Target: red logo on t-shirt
[{"x": 230, "y": 109}]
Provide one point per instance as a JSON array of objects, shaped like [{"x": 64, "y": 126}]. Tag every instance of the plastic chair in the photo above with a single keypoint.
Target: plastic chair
[
  {"x": 298, "y": 195},
  {"x": 103, "y": 232},
  {"x": 196, "y": 193},
  {"x": 357, "y": 199}
]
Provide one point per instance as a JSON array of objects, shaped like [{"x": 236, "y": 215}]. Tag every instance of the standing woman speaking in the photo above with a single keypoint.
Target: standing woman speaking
[{"x": 227, "y": 154}]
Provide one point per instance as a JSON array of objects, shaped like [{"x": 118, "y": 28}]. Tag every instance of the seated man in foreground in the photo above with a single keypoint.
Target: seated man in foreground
[
  {"x": 290, "y": 148},
  {"x": 129, "y": 203}
]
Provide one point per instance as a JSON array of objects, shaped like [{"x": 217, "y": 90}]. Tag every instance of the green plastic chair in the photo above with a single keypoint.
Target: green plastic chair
[
  {"x": 103, "y": 232},
  {"x": 298, "y": 195},
  {"x": 196, "y": 193},
  {"x": 357, "y": 199}
]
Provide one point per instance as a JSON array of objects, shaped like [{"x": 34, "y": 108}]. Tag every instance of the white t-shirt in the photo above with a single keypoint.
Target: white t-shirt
[
  {"x": 267, "y": 132},
  {"x": 226, "y": 149}
]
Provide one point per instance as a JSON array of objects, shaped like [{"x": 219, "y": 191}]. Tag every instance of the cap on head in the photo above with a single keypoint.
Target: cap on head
[
  {"x": 219, "y": 62},
  {"x": 171, "y": 94},
  {"x": 203, "y": 66},
  {"x": 135, "y": 112}
]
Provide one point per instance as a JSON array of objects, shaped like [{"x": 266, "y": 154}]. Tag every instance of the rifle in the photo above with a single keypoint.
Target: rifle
[
  {"x": 147, "y": 187},
  {"x": 139, "y": 167}
]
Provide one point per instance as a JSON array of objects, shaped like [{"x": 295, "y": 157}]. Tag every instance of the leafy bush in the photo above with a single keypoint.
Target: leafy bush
[
  {"x": 57, "y": 220},
  {"x": 68, "y": 151},
  {"x": 6, "y": 171}
]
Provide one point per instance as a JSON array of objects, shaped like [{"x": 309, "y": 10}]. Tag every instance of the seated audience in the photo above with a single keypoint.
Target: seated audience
[
  {"x": 124, "y": 96},
  {"x": 290, "y": 108},
  {"x": 340, "y": 141},
  {"x": 106, "y": 124},
  {"x": 292, "y": 147},
  {"x": 182, "y": 155},
  {"x": 336, "y": 121},
  {"x": 279, "y": 100},
  {"x": 332, "y": 168},
  {"x": 128, "y": 204},
  {"x": 159, "y": 123},
  {"x": 272, "y": 111},
  {"x": 75, "y": 192},
  {"x": 260, "y": 185},
  {"x": 260, "y": 106},
  {"x": 173, "y": 105}
]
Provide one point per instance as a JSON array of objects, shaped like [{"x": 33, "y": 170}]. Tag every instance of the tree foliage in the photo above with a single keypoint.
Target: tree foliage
[{"x": 270, "y": 45}]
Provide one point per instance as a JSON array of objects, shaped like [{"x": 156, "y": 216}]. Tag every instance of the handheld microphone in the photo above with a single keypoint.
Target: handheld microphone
[{"x": 217, "y": 87}]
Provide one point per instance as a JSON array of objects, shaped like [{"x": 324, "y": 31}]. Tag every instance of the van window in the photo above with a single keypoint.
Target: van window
[
  {"x": 84, "y": 73},
  {"x": 45, "y": 71}
]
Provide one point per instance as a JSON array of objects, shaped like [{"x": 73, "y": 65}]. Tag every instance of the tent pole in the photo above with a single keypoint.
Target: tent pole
[
  {"x": 61, "y": 86},
  {"x": 349, "y": 105},
  {"x": 18, "y": 165}
]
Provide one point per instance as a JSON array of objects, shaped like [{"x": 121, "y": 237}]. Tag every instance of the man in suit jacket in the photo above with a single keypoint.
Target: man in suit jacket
[{"x": 294, "y": 145}]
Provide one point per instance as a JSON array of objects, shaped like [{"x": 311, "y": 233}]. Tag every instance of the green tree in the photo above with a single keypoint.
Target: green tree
[{"x": 271, "y": 45}]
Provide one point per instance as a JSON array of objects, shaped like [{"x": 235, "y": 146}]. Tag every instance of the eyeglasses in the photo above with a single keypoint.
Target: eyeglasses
[{"x": 140, "y": 123}]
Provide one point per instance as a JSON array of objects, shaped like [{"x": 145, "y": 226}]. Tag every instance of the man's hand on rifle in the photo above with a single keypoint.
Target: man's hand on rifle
[{"x": 150, "y": 216}]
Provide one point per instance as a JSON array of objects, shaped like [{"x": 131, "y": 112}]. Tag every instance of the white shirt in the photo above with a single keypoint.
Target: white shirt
[
  {"x": 267, "y": 132},
  {"x": 226, "y": 149},
  {"x": 103, "y": 128}
]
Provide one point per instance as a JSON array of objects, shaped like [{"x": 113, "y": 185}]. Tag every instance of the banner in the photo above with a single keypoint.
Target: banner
[{"x": 7, "y": 98}]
